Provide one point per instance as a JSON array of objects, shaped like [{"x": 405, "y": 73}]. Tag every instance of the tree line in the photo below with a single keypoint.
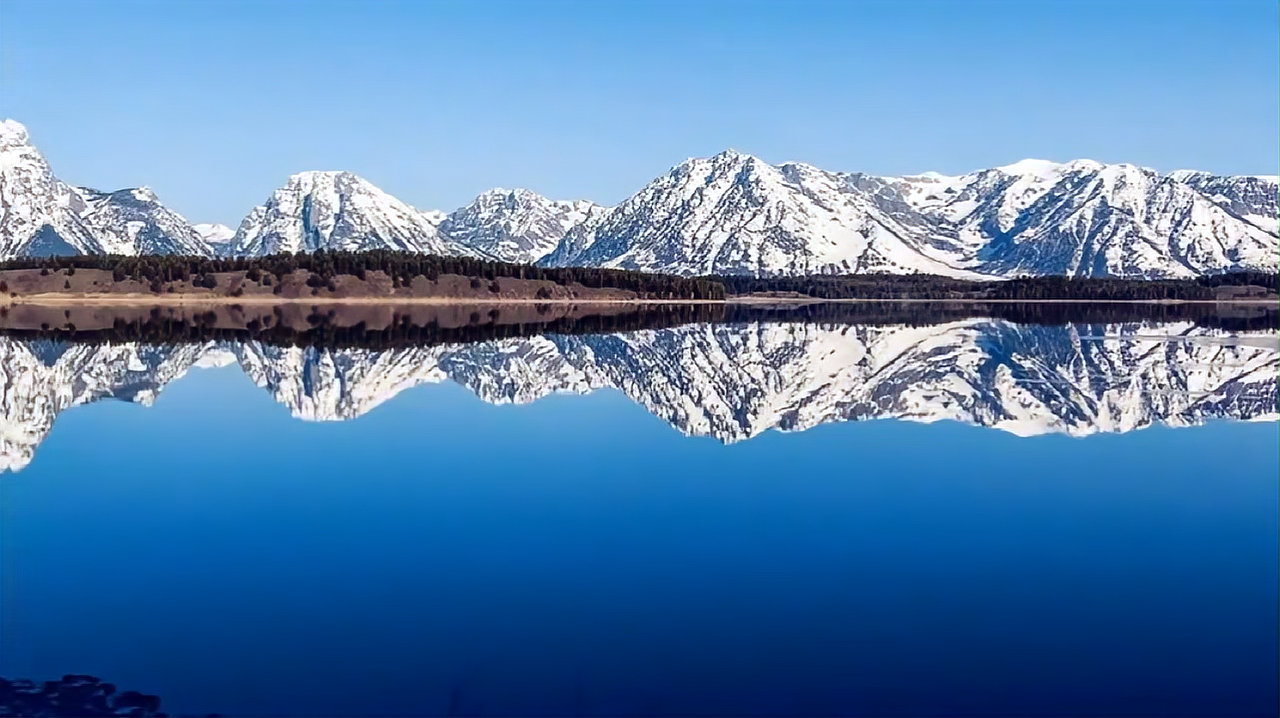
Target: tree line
[
  {"x": 927, "y": 286},
  {"x": 321, "y": 331},
  {"x": 401, "y": 267}
]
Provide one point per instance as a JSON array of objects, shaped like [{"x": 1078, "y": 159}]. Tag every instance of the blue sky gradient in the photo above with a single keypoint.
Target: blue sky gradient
[{"x": 214, "y": 104}]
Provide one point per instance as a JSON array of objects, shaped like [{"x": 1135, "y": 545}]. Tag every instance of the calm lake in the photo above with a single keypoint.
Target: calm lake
[{"x": 935, "y": 511}]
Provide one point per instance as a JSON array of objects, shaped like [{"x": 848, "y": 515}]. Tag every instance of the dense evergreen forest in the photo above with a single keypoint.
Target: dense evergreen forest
[
  {"x": 403, "y": 267},
  {"x": 320, "y": 329},
  {"x": 926, "y": 286}
]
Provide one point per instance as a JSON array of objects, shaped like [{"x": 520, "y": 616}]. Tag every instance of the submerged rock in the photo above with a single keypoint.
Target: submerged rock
[{"x": 73, "y": 695}]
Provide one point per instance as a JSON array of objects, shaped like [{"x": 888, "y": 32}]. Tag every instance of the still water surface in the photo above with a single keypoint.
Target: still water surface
[{"x": 972, "y": 516}]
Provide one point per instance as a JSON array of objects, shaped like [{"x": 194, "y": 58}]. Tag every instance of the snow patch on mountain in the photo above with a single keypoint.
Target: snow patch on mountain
[
  {"x": 214, "y": 232},
  {"x": 133, "y": 221},
  {"x": 340, "y": 211},
  {"x": 41, "y": 215},
  {"x": 1253, "y": 198},
  {"x": 218, "y": 237},
  {"x": 515, "y": 225},
  {"x": 735, "y": 214}
]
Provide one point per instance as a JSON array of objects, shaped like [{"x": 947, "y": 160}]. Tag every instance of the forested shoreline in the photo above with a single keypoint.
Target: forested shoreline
[
  {"x": 322, "y": 327},
  {"x": 159, "y": 272},
  {"x": 323, "y": 270},
  {"x": 926, "y": 286}
]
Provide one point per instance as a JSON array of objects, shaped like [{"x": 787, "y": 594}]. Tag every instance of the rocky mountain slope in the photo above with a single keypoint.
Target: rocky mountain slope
[
  {"x": 338, "y": 210},
  {"x": 727, "y": 381},
  {"x": 133, "y": 221},
  {"x": 516, "y": 225},
  {"x": 219, "y": 237},
  {"x": 727, "y": 214},
  {"x": 735, "y": 214},
  {"x": 41, "y": 215}
]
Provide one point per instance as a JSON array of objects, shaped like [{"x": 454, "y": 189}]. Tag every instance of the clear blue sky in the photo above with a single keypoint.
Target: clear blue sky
[{"x": 215, "y": 103}]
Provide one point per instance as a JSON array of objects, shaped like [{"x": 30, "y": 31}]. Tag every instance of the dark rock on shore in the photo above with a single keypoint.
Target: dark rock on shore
[{"x": 73, "y": 695}]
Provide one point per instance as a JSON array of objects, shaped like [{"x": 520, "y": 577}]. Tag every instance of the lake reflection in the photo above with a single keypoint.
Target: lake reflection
[{"x": 422, "y": 552}]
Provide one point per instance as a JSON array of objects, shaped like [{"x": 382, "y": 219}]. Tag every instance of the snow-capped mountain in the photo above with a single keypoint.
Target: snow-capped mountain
[
  {"x": 1085, "y": 218},
  {"x": 41, "y": 215},
  {"x": 1251, "y": 197},
  {"x": 218, "y": 236},
  {"x": 735, "y": 214},
  {"x": 338, "y": 210},
  {"x": 728, "y": 381},
  {"x": 516, "y": 225},
  {"x": 727, "y": 214},
  {"x": 132, "y": 221}
]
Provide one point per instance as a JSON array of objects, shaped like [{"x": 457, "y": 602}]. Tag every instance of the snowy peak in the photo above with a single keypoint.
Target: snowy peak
[
  {"x": 1048, "y": 169},
  {"x": 336, "y": 210},
  {"x": 1031, "y": 166},
  {"x": 214, "y": 232},
  {"x": 730, "y": 213},
  {"x": 39, "y": 214},
  {"x": 133, "y": 221},
  {"x": 218, "y": 237},
  {"x": 515, "y": 225},
  {"x": 735, "y": 214},
  {"x": 13, "y": 134},
  {"x": 727, "y": 165},
  {"x": 1252, "y": 198}
]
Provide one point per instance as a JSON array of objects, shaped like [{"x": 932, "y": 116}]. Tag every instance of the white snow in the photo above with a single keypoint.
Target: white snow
[
  {"x": 1043, "y": 170},
  {"x": 13, "y": 132},
  {"x": 515, "y": 225},
  {"x": 214, "y": 232},
  {"x": 337, "y": 210}
]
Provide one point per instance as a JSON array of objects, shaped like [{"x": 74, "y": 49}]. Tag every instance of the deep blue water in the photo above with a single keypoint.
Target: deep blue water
[{"x": 577, "y": 555}]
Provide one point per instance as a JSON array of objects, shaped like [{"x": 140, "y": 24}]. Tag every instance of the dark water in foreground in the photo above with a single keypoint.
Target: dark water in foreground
[{"x": 975, "y": 516}]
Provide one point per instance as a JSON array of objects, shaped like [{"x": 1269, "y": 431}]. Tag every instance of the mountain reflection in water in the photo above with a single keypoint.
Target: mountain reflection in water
[{"x": 725, "y": 371}]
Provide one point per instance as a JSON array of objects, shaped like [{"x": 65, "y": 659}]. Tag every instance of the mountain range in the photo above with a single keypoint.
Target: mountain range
[
  {"x": 727, "y": 214},
  {"x": 727, "y": 381}
]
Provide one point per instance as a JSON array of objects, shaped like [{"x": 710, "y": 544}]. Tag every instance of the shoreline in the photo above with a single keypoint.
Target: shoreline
[{"x": 131, "y": 299}]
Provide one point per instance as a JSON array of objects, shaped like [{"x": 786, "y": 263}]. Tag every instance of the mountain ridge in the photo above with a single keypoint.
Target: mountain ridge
[{"x": 731, "y": 213}]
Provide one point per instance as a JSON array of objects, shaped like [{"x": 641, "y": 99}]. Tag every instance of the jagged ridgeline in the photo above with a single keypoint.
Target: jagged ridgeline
[
  {"x": 340, "y": 326},
  {"x": 731, "y": 214}
]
